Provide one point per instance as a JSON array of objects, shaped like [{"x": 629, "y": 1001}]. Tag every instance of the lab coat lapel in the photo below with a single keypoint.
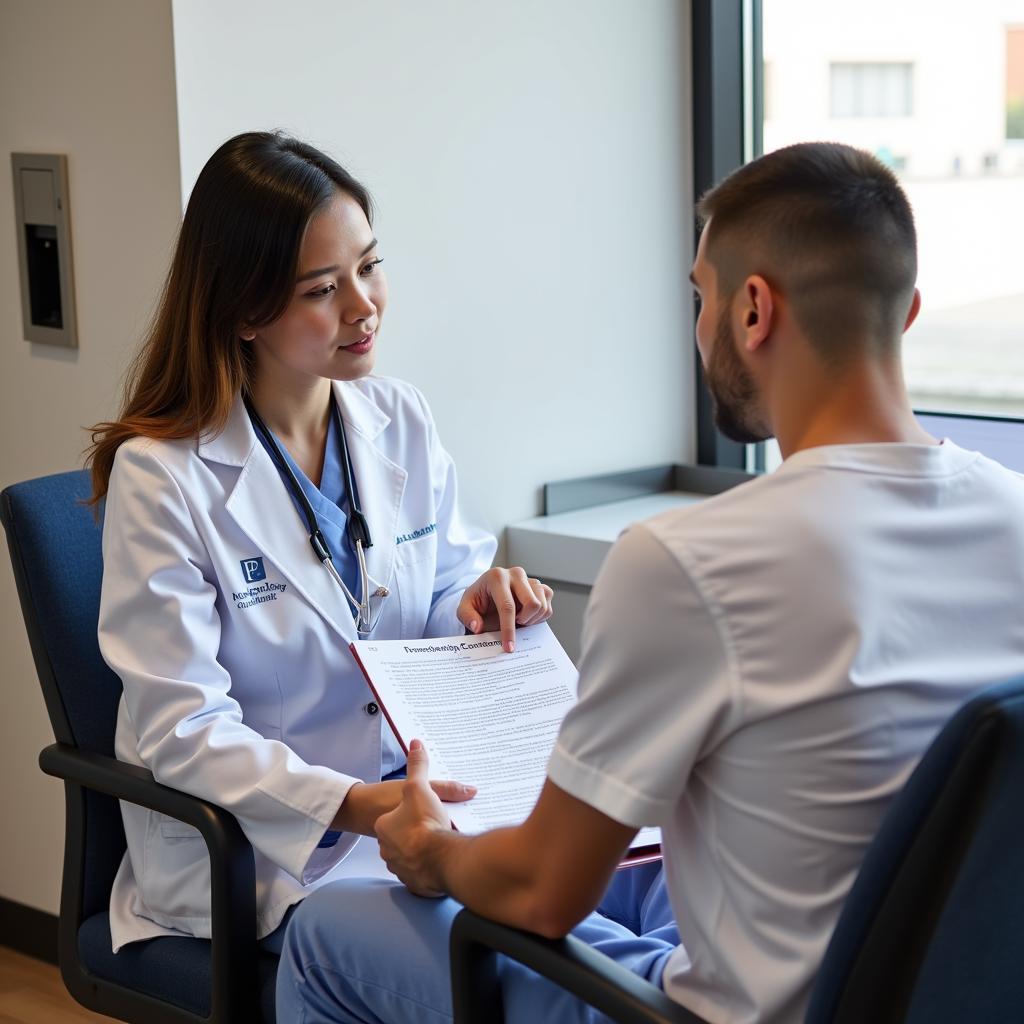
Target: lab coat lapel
[
  {"x": 379, "y": 481},
  {"x": 262, "y": 507}
]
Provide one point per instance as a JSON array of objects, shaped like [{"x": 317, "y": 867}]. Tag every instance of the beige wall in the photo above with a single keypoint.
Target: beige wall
[{"x": 95, "y": 81}]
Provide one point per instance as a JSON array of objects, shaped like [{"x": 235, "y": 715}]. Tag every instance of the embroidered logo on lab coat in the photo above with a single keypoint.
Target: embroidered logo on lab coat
[
  {"x": 252, "y": 570},
  {"x": 258, "y": 594}
]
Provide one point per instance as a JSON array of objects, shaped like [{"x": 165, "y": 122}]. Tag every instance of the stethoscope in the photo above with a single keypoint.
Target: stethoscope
[{"x": 356, "y": 526}]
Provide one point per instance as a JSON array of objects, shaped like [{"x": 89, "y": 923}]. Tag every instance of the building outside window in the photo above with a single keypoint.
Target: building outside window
[
  {"x": 870, "y": 89},
  {"x": 1015, "y": 82},
  {"x": 940, "y": 99}
]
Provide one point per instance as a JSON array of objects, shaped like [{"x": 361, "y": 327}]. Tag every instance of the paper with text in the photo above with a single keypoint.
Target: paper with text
[{"x": 486, "y": 717}]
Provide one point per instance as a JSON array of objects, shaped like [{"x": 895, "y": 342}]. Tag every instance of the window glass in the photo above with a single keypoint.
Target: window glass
[
  {"x": 939, "y": 96},
  {"x": 870, "y": 89}
]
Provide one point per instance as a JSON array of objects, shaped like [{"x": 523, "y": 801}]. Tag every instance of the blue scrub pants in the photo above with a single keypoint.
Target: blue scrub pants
[{"x": 368, "y": 951}]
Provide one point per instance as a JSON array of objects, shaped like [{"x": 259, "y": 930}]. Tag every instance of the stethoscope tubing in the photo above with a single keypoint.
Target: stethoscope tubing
[{"x": 356, "y": 525}]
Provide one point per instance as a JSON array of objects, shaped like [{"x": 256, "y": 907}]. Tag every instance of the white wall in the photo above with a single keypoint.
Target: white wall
[
  {"x": 530, "y": 162},
  {"x": 94, "y": 81}
]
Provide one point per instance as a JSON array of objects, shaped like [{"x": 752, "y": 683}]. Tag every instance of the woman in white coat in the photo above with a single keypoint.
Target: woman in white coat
[{"x": 229, "y": 631}]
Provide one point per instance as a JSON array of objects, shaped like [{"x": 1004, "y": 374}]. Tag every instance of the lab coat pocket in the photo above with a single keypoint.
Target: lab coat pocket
[
  {"x": 415, "y": 568},
  {"x": 175, "y": 883},
  {"x": 264, "y": 711},
  {"x": 172, "y": 829},
  {"x": 413, "y": 552}
]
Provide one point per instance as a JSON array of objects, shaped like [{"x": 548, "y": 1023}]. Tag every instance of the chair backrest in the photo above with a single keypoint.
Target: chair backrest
[
  {"x": 932, "y": 929},
  {"x": 54, "y": 542},
  {"x": 55, "y": 548}
]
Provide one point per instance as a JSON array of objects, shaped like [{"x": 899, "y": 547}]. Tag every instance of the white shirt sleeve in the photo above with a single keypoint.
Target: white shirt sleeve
[{"x": 657, "y": 686}]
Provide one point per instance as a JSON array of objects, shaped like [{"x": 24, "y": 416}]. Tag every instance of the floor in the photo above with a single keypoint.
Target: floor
[{"x": 31, "y": 992}]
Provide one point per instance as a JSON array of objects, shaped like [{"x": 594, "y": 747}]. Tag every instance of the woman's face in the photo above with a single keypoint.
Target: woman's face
[{"x": 330, "y": 326}]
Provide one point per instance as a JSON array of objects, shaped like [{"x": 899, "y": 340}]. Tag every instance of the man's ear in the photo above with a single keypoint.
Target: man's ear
[
  {"x": 756, "y": 312},
  {"x": 915, "y": 308}
]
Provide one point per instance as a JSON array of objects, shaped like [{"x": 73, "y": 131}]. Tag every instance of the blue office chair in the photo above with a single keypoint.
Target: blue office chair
[
  {"x": 54, "y": 543},
  {"x": 932, "y": 931}
]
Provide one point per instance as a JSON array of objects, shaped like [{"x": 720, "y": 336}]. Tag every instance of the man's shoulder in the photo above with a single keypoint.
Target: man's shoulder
[
  {"x": 757, "y": 506},
  {"x": 769, "y": 530},
  {"x": 829, "y": 509}
]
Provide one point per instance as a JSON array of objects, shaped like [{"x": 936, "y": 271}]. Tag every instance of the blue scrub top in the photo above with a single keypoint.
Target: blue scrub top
[{"x": 329, "y": 503}]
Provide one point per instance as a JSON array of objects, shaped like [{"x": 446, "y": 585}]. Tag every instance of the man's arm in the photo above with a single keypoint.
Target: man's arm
[
  {"x": 544, "y": 875},
  {"x": 624, "y": 748}
]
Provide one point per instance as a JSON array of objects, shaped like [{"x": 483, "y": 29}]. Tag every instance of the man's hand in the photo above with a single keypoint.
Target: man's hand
[
  {"x": 503, "y": 598},
  {"x": 544, "y": 875},
  {"x": 412, "y": 836}
]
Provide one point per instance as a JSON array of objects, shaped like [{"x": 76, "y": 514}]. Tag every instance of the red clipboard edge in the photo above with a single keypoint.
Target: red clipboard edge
[
  {"x": 378, "y": 701},
  {"x": 641, "y": 855},
  {"x": 382, "y": 705}
]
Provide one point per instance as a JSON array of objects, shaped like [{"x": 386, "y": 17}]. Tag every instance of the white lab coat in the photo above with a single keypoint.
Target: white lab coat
[{"x": 244, "y": 693}]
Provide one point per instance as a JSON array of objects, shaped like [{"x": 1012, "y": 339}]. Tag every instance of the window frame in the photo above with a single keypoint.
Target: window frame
[{"x": 728, "y": 118}]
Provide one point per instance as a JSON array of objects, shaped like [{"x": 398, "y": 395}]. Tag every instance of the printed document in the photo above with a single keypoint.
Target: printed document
[{"x": 486, "y": 718}]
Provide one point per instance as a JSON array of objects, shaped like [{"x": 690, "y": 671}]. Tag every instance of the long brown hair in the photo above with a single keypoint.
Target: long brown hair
[{"x": 235, "y": 263}]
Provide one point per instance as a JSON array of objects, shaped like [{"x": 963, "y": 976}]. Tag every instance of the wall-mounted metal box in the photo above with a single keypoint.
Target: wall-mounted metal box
[{"x": 43, "y": 222}]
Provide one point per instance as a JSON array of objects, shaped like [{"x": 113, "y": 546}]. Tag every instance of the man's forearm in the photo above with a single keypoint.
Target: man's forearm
[
  {"x": 544, "y": 875},
  {"x": 500, "y": 876}
]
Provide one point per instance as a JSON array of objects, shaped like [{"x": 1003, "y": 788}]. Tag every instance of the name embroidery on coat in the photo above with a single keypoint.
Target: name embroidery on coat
[{"x": 423, "y": 531}]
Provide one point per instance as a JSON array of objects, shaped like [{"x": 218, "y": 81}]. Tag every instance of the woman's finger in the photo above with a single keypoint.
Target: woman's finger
[
  {"x": 499, "y": 588},
  {"x": 467, "y": 613},
  {"x": 530, "y": 603},
  {"x": 543, "y": 594},
  {"x": 452, "y": 792},
  {"x": 477, "y": 599}
]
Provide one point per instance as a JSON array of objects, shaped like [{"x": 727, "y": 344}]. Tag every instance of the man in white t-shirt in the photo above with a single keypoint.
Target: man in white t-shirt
[{"x": 760, "y": 671}]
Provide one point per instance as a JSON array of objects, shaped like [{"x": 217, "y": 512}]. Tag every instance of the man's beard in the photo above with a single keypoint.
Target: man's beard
[{"x": 733, "y": 389}]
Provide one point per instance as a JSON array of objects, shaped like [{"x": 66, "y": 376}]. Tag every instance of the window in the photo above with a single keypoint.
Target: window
[
  {"x": 871, "y": 90},
  {"x": 945, "y": 109},
  {"x": 1015, "y": 82}
]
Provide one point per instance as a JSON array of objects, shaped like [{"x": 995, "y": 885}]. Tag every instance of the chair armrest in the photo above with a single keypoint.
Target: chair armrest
[
  {"x": 570, "y": 963},
  {"x": 232, "y": 867}
]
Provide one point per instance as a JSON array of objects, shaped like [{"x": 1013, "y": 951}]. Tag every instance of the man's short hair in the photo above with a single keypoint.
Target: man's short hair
[{"x": 830, "y": 227}]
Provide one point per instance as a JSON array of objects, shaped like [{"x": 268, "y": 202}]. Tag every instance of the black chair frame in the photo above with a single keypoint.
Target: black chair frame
[{"x": 570, "y": 963}]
